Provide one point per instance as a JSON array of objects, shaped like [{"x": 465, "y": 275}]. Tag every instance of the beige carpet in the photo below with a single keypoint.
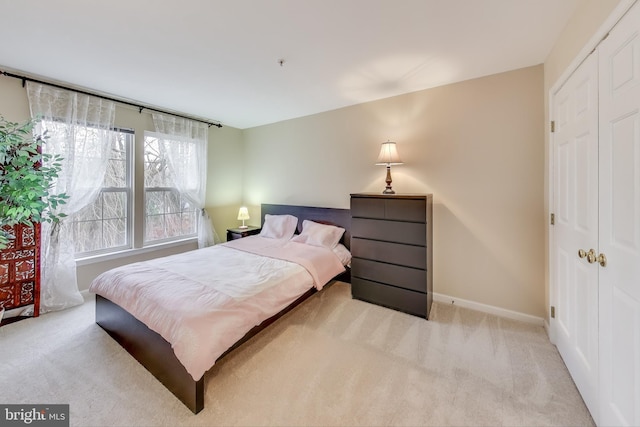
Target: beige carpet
[{"x": 332, "y": 361}]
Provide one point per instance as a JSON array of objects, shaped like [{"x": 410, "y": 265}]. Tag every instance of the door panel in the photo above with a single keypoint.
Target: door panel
[
  {"x": 624, "y": 209},
  {"x": 619, "y": 235},
  {"x": 575, "y": 145}
]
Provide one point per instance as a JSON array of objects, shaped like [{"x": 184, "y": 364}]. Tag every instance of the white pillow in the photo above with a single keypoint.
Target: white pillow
[
  {"x": 343, "y": 254},
  {"x": 279, "y": 226},
  {"x": 316, "y": 234}
]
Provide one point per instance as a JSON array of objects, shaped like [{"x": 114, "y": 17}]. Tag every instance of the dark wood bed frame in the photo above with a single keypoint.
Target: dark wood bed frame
[{"x": 156, "y": 354}]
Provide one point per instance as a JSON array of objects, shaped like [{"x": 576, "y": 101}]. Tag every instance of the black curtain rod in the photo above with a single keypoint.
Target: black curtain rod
[{"x": 138, "y": 106}]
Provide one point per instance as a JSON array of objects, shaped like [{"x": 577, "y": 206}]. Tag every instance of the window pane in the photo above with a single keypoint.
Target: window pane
[
  {"x": 116, "y": 174},
  {"x": 114, "y": 205},
  {"x": 189, "y": 223},
  {"x": 120, "y": 147},
  {"x": 154, "y": 228},
  {"x": 155, "y": 202},
  {"x": 153, "y": 174},
  {"x": 156, "y": 168},
  {"x": 168, "y": 215},
  {"x": 90, "y": 212},
  {"x": 88, "y": 236},
  {"x": 173, "y": 202},
  {"x": 114, "y": 232},
  {"x": 173, "y": 224}
]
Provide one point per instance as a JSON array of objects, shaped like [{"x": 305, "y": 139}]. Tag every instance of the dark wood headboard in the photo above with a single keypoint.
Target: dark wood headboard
[{"x": 334, "y": 216}]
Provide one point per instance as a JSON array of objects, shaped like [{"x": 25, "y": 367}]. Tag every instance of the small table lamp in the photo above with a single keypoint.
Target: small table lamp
[
  {"x": 243, "y": 214},
  {"x": 388, "y": 156}
]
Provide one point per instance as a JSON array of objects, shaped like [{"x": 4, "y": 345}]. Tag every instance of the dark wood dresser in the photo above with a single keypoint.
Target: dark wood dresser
[
  {"x": 391, "y": 244},
  {"x": 20, "y": 271}
]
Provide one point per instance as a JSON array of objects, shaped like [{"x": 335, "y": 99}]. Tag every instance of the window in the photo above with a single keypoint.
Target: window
[
  {"x": 105, "y": 225},
  {"x": 168, "y": 214}
]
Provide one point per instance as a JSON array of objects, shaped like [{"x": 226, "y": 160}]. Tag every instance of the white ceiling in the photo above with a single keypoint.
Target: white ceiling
[{"x": 219, "y": 59}]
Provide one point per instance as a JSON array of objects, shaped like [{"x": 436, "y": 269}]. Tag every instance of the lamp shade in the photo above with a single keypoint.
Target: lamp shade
[
  {"x": 389, "y": 154},
  {"x": 243, "y": 214}
]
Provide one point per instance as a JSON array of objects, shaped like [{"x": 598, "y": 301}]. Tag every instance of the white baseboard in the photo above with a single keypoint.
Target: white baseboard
[{"x": 490, "y": 309}]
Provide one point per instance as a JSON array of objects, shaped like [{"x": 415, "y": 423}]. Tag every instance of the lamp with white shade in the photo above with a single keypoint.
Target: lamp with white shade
[
  {"x": 388, "y": 156},
  {"x": 243, "y": 215}
]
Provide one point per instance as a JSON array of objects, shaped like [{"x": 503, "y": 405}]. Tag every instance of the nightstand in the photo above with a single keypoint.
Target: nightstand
[{"x": 239, "y": 233}]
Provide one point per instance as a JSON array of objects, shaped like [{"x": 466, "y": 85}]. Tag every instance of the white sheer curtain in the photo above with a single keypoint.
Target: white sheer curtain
[
  {"x": 78, "y": 128},
  {"x": 186, "y": 145}
]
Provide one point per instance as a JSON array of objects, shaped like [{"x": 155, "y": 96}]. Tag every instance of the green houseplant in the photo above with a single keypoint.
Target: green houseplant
[{"x": 26, "y": 177}]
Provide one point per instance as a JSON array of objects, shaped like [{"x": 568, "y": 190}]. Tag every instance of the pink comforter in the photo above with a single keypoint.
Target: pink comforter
[{"x": 204, "y": 301}]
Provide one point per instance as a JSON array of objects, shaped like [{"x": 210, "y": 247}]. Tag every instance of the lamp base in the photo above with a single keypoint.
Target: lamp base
[
  {"x": 243, "y": 226},
  {"x": 388, "y": 190}
]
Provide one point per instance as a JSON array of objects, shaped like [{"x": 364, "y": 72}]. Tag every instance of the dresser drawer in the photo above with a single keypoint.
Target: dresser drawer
[
  {"x": 391, "y": 231},
  {"x": 394, "y": 253},
  {"x": 367, "y": 207},
  {"x": 396, "y": 275},
  {"x": 413, "y": 210},
  {"x": 406, "y": 209},
  {"x": 400, "y": 299}
]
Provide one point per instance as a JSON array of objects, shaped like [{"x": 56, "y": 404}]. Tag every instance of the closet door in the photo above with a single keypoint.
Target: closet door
[
  {"x": 620, "y": 223},
  {"x": 575, "y": 152}
]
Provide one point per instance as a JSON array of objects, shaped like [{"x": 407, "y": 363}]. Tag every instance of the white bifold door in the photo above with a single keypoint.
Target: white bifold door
[
  {"x": 619, "y": 223},
  {"x": 596, "y": 237},
  {"x": 576, "y": 227}
]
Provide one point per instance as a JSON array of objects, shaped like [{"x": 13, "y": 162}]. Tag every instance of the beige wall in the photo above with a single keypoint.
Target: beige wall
[
  {"x": 576, "y": 40},
  {"x": 225, "y": 178},
  {"x": 224, "y": 184},
  {"x": 14, "y": 105},
  {"x": 476, "y": 145}
]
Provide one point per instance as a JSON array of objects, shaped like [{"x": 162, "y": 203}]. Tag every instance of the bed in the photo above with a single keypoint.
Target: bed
[{"x": 178, "y": 364}]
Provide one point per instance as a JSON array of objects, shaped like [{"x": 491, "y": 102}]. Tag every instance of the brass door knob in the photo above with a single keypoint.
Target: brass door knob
[
  {"x": 602, "y": 259},
  {"x": 582, "y": 253},
  {"x": 591, "y": 256}
]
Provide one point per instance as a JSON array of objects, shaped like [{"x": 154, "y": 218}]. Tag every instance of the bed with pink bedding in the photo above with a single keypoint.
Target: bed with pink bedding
[{"x": 177, "y": 315}]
